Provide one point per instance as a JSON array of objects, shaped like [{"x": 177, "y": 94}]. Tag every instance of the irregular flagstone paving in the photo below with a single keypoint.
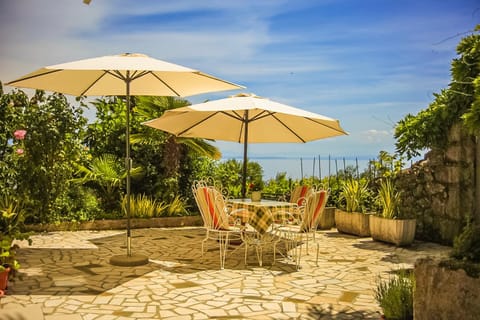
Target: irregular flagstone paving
[{"x": 66, "y": 273}]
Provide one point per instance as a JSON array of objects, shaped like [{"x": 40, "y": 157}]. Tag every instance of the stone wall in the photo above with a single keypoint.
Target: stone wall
[
  {"x": 439, "y": 190},
  {"x": 441, "y": 293},
  {"x": 119, "y": 224}
]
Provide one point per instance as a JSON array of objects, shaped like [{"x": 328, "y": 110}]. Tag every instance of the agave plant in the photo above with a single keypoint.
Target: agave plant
[{"x": 388, "y": 198}]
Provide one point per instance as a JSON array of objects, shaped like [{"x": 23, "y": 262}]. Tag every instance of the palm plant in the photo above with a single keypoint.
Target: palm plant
[
  {"x": 107, "y": 173},
  {"x": 173, "y": 149}
]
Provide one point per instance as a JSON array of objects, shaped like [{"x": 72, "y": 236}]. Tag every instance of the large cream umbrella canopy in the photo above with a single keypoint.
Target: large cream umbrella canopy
[
  {"x": 247, "y": 118},
  {"x": 123, "y": 75}
]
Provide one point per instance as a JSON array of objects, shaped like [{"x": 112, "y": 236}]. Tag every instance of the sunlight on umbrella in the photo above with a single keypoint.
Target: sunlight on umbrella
[
  {"x": 247, "y": 118},
  {"x": 123, "y": 75}
]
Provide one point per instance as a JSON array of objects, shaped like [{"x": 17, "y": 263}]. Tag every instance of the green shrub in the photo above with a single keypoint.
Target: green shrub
[
  {"x": 79, "y": 203},
  {"x": 11, "y": 229},
  {"x": 395, "y": 295},
  {"x": 466, "y": 246}
]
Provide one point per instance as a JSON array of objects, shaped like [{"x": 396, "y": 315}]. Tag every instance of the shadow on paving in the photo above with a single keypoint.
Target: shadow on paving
[
  {"x": 79, "y": 271},
  {"x": 406, "y": 254},
  {"x": 317, "y": 312}
]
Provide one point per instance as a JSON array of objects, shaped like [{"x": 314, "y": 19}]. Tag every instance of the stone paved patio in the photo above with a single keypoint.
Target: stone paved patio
[{"x": 65, "y": 273}]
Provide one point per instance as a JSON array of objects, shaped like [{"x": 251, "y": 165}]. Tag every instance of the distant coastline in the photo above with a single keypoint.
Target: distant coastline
[{"x": 294, "y": 167}]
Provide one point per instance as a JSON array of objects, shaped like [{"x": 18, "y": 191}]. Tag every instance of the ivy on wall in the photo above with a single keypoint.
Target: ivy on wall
[{"x": 461, "y": 100}]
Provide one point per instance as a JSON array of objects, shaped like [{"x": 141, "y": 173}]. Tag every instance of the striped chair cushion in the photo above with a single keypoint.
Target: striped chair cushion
[
  {"x": 299, "y": 194},
  {"x": 313, "y": 209},
  {"x": 213, "y": 207}
]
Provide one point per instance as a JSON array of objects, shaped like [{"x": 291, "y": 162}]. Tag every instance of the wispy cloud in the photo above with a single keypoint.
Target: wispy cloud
[{"x": 366, "y": 63}]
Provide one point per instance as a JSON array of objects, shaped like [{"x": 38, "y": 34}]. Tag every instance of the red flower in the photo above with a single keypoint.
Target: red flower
[{"x": 19, "y": 151}]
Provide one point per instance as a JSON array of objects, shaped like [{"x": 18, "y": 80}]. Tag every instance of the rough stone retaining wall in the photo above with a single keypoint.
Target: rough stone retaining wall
[
  {"x": 444, "y": 294},
  {"x": 439, "y": 190}
]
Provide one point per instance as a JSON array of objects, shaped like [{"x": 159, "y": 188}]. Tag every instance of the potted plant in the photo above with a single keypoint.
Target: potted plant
[
  {"x": 11, "y": 229},
  {"x": 388, "y": 225},
  {"x": 353, "y": 219},
  {"x": 256, "y": 190}
]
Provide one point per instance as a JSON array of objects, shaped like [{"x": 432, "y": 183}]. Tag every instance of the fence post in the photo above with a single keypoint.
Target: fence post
[{"x": 319, "y": 169}]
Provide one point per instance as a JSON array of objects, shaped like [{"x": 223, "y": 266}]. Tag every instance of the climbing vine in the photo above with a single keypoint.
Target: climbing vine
[{"x": 429, "y": 128}]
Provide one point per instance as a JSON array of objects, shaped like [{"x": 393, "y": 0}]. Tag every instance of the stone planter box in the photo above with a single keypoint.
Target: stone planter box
[
  {"x": 400, "y": 232},
  {"x": 327, "y": 219},
  {"x": 442, "y": 293},
  {"x": 135, "y": 223},
  {"x": 355, "y": 223}
]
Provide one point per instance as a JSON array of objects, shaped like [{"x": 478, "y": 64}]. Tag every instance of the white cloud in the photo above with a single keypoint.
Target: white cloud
[{"x": 366, "y": 69}]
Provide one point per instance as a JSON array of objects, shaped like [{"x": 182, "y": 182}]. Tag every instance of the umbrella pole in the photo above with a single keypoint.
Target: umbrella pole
[
  {"x": 128, "y": 165},
  {"x": 245, "y": 147},
  {"x": 128, "y": 260}
]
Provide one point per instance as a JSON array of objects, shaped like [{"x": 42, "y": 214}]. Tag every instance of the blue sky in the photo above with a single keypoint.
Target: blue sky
[{"x": 367, "y": 63}]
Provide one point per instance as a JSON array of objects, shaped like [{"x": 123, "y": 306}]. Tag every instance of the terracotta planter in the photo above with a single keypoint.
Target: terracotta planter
[
  {"x": 4, "y": 279},
  {"x": 400, "y": 232},
  {"x": 355, "y": 223}
]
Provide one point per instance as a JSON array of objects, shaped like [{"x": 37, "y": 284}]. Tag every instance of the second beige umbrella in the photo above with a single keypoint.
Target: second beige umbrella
[
  {"x": 123, "y": 75},
  {"x": 247, "y": 118}
]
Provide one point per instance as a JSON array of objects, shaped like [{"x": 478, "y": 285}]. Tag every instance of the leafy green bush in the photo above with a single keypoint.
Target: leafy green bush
[
  {"x": 466, "y": 245},
  {"x": 79, "y": 203},
  {"x": 11, "y": 228},
  {"x": 466, "y": 251},
  {"x": 395, "y": 296}
]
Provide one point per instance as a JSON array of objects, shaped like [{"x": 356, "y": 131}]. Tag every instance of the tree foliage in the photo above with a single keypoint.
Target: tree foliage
[
  {"x": 41, "y": 139},
  {"x": 429, "y": 128}
]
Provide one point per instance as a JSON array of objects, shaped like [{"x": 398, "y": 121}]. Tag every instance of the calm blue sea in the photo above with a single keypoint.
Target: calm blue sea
[{"x": 306, "y": 167}]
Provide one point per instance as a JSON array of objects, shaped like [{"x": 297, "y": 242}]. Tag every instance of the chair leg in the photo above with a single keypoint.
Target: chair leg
[
  {"x": 274, "y": 252},
  {"x": 223, "y": 240},
  {"x": 259, "y": 251},
  {"x": 204, "y": 243},
  {"x": 298, "y": 251}
]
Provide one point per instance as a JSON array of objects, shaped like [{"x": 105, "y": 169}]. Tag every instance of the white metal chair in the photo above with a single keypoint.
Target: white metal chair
[
  {"x": 215, "y": 213},
  {"x": 295, "y": 229},
  {"x": 260, "y": 240},
  {"x": 300, "y": 193}
]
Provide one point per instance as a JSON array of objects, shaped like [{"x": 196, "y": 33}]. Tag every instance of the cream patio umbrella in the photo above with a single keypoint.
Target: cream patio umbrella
[
  {"x": 123, "y": 75},
  {"x": 247, "y": 118}
]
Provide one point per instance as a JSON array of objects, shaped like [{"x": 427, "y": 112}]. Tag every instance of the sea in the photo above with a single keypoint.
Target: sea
[{"x": 306, "y": 167}]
